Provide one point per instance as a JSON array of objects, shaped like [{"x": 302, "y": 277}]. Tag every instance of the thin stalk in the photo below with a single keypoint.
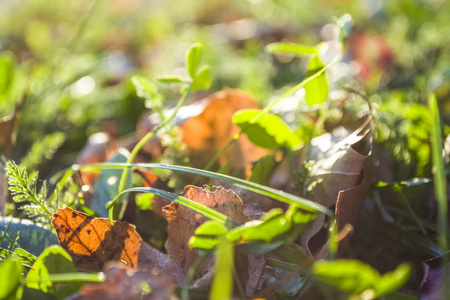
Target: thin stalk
[
  {"x": 440, "y": 187},
  {"x": 265, "y": 110},
  {"x": 144, "y": 140},
  {"x": 71, "y": 277}
]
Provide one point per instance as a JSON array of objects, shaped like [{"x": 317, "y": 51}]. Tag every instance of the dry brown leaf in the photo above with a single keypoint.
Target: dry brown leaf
[
  {"x": 183, "y": 221},
  {"x": 208, "y": 132},
  {"x": 349, "y": 203},
  {"x": 256, "y": 267},
  {"x": 92, "y": 242},
  {"x": 343, "y": 175}
]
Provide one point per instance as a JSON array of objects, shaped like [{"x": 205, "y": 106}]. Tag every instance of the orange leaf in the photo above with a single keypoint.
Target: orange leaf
[
  {"x": 208, "y": 132},
  {"x": 92, "y": 242}
]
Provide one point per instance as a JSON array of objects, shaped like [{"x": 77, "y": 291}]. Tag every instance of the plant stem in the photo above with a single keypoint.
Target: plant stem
[{"x": 144, "y": 140}]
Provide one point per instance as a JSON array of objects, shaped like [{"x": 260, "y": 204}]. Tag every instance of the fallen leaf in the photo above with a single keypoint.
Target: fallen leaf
[
  {"x": 92, "y": 242},
  {"x": 255, "y": 205},
  {"x": 183, "y": 221},
  {"x": 342, "y": 174},
  {"x": 206, "y": 127},
  {"x": 209, "y": 131},
  {"x": 349, "y": 203}
]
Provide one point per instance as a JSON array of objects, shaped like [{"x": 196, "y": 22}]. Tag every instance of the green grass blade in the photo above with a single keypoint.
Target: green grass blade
[
  {"x": 440, "y": 186},
  {"x": 72, "y": 277},
  {"x": 303, "y": 203}
]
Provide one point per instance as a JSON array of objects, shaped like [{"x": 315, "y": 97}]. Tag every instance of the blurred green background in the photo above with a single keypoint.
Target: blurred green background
[{"x": 69, "y": 63}]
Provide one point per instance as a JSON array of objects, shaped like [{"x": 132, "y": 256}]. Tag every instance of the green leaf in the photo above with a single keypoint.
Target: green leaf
[
  {"x": 263, "y": 170},
  {"x": 207, "y": 235},
  {"x": 272, "y": 230},
  {"x": 52, "y": 261},
  {"x": 211, "y": 228},
  {"x": 290, "y": 48},
  {"x": 355, "y": 277},
  {"x": 393, "y": 280},
  {"x": 203, "y": 79},
  {"x": 10, "y": 274},
  {"x": 316, "y": 90},
  {"x": 6, "y": 74},
  {"x": 268, "y": 131},
  {"x": 222, "y": 284},
  {"x": 193, "y": 59},
  {"x": 271, "y": 225}
]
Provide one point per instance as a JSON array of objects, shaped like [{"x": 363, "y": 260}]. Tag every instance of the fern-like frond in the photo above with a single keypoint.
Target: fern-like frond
[{"x": 23, "y": 187}]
